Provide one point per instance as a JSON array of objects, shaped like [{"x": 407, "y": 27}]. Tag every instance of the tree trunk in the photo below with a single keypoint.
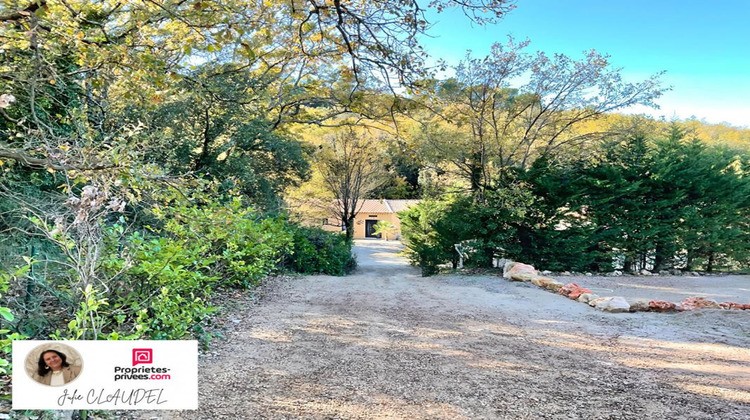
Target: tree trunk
[
  {"x": 348, "y": 228},
  {"x": 689, "y": 260},
  {"x": 475, "y": 175},
  {"x": 710, "y": 263},
  {"x": 627, "y": 265},
  {"x": 659, "y": 258},
  {"x": 524, "y": 237}
]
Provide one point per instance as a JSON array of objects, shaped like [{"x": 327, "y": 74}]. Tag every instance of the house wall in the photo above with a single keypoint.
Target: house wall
[
  {"x": 331, "y": 224},
  {"x": 359, "y": 224}
]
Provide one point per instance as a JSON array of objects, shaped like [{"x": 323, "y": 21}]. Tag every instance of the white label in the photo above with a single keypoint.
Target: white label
[{"x": 124, "y": 375}]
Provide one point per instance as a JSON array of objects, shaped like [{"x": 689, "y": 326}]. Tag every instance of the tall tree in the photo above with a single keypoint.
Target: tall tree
[
  {"x": 487, "y": 123},
  {"x": 350, "y": 167}
]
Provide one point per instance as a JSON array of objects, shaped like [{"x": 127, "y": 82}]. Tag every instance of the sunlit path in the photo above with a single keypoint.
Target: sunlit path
[{"x": 387, "y": 343}]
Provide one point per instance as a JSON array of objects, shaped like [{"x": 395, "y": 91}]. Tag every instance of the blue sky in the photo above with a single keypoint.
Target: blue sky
[{"x": 703, "y": 46}]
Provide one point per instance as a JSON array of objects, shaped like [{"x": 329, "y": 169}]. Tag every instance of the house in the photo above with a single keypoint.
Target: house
[{"x": 371, "y": 212}]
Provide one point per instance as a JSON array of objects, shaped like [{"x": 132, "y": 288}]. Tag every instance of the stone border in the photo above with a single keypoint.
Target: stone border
[{"x": 516, "y": 271}]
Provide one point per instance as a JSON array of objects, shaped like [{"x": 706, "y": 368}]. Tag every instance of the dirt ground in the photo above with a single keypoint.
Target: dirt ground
[
  {"x": 721, "y": 288},
  {"x": 386, "y": 343}
]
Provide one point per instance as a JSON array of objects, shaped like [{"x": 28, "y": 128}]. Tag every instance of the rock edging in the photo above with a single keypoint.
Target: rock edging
[{"x": 516, "y": 271}]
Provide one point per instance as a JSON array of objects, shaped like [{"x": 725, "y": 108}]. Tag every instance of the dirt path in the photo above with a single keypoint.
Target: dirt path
[{"x": 386, "y": 343}]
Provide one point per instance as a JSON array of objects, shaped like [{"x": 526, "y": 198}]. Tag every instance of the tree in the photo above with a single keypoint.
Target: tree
[
  {"x": 385, "y": 228},
  {"x": 484, "y": 125},
  {"x": 350, "y": 167},
  {"x": 83, "y": 74},
  {"x": 713, "y": 228}
]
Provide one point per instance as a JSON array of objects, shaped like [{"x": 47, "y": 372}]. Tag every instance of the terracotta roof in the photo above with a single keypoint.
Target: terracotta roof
[
  {"x": 401, "y": 205},
  {"x": 386, "y": 206}
]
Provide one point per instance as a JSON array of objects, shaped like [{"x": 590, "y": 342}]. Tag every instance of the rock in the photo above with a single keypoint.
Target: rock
[
  {"x": 588, "y": 274},
  {"x": 546, "y": 272},
  {"x": 500, "y": 262},
  {"x": 617, "y": 273},
  {"x": 566, "y": 289},
  {"x": 573, "y": 290},
  {"x": 506, "y": 268},
  {"x": 577, "y": 293},
  {"x": 664, "y": 272},
  {"x": 695, "y": 274},
  {"x": 553, "y": 286},
  {"x": 521, "y": 272},
  {"x": 645, "y": 272},
  {"x": 661, "y": 306},
  {"x": 693, "y": 303},
  {"x": 731, "y": 305},
  {"x": 587, "y": 297},
  {"x": 675, "y": 272},
  {"x": 541, "y": 281},
  {"x": 611, "y": 304},
  {"x": 565, "y": 273},
  {"x": 523, "y": 276},
  {"x": 639, "y": 305}
]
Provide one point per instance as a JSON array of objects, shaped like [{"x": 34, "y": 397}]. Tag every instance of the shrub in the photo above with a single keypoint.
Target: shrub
[
  {"x": 424, "y": 246},
  {"x": 318, "y": 251},
  {"x": 175, "y": 267}
]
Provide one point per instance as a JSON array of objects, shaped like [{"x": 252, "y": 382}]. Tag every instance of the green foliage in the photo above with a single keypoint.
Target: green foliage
[
  {"x": 240, "y": 247},
  {"x": 654, "y": 204},
  {"x": 317, "y": 251},
  {"x": 645, "y": 203},
  {"x": 6, "y": 334},
  {"x": 384, "y": 228},
  {"x": 424, "y": 245},
  {"x": 198, "y": 248}
]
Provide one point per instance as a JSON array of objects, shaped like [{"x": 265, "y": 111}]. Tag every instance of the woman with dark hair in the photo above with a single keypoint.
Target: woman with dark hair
[{"x": 54, "y": 369}]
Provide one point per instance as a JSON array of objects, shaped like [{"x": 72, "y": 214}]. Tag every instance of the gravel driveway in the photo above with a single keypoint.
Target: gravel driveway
[{"x": 387, "y": 344}]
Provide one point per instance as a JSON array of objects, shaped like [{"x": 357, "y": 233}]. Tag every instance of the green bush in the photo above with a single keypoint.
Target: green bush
[
  {"x": 175, "y": 267},
  {"x": 6, "y": 317},
  {"x": 318, "y": 251},
  {"x": 240, "y": 247},
  {"x": 424, "y": 246}
]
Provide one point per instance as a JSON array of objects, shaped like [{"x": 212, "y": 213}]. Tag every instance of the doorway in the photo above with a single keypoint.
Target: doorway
[{"x": 370, "y": 229}]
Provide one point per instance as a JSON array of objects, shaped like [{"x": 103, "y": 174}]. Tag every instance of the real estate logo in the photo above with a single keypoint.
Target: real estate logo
[{"x": 143, "y": 356}]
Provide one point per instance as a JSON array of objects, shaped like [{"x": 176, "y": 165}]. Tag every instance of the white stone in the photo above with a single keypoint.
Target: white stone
[
  {"x": 645, "y": 272},
  {"x": 639, "y": 305},
  {"x": 612, "y": 304},
  {"x": 586, "y": 297},
  {"x": 506, "y": 268},
  {"x": 593, "y": 299}
]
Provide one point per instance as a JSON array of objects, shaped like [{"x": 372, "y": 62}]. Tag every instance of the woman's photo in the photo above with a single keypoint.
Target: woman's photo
[{"x": 53, "y": 364}]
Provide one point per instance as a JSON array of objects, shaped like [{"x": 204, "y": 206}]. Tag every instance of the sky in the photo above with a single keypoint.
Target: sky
[{"x": 704, "y": 46}]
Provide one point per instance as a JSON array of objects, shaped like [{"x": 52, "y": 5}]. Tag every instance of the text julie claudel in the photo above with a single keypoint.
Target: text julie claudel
[{"x": 131, "y": 397}]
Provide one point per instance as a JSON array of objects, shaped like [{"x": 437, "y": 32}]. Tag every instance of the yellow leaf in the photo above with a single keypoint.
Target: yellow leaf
[
  {"x": 52, "y": 81},
  {"x": 1, "y": 163},
  {"x": 50, "y": 170}
]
